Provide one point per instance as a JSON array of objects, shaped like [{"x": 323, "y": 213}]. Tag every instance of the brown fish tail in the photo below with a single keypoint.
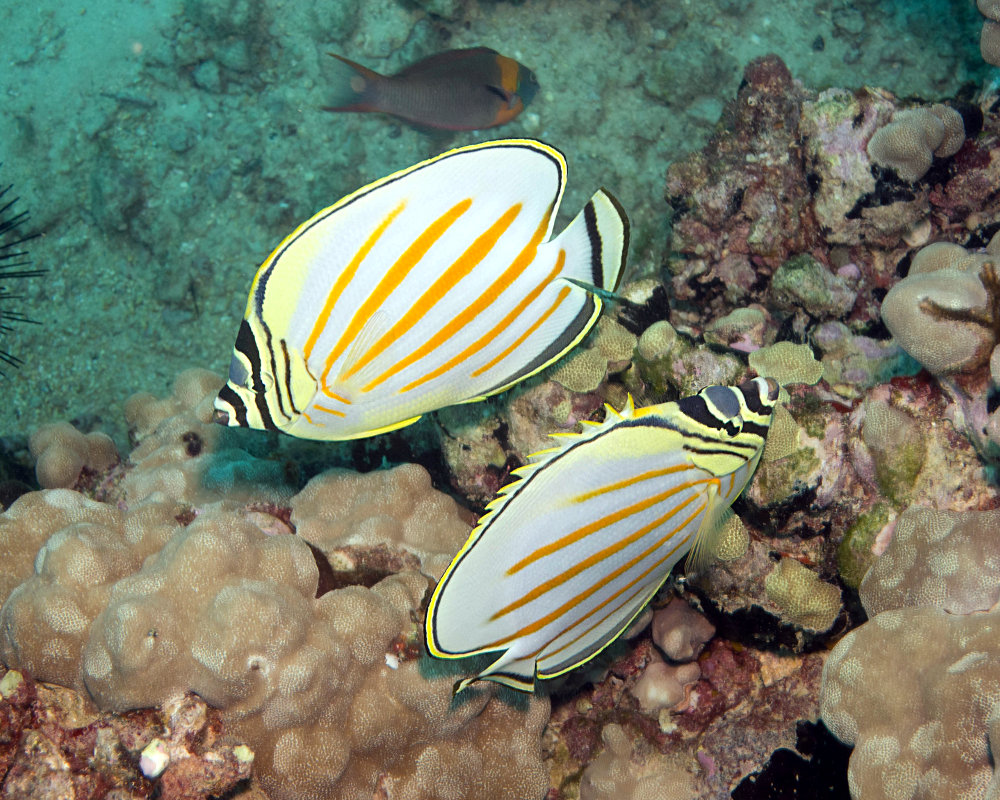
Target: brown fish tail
[{"x": 354, "y": 87}]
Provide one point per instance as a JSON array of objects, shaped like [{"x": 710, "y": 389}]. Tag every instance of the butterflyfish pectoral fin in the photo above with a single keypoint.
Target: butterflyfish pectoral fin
[{"x": 706, "y": 541}]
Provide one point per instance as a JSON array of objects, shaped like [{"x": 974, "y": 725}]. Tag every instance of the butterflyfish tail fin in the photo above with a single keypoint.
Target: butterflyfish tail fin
[
  {"x": 352, "y": 86},
  {"x": 596, "y": 245},
  {"x": 710, "y": 533}
]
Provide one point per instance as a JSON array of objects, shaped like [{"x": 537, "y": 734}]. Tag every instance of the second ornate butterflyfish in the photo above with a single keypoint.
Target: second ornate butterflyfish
[
  {"x": 437, "y": 285},
  {"x": 568, "y": 555}
]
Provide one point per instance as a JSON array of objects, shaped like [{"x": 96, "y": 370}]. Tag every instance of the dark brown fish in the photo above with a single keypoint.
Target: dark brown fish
[{"x": 457, "y": 90}]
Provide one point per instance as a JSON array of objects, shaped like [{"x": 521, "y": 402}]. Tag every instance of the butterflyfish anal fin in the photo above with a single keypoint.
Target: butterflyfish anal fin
[
  {"x": 552, "y": 665},
  {"x": 558, "y": 568},
  {"x": 508, "y": 670}
]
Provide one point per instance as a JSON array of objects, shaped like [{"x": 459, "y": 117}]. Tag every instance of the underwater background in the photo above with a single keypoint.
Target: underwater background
[{"x": 164, "y": 149}]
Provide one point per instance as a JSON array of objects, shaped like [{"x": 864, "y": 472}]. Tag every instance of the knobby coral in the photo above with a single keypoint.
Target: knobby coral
[
  {"x": 916, "y": 690},
  {"x": 308, "y": 643},
  {"x": 989, "y": 40},
  {"x": 946, "y": 312}
]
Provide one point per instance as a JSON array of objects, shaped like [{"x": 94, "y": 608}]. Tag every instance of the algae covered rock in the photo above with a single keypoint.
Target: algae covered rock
[
  {"x": 802, "y": 282},
  {"x": 897, "y": 447},
  {"x": 854, "y": 554}
]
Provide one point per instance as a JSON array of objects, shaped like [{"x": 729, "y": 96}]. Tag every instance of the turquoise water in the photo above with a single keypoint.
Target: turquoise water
[{"x": 164, "y": 148}]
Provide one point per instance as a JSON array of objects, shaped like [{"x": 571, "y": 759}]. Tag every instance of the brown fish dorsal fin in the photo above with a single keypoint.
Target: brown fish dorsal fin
[{"x": 445, "y": 63}]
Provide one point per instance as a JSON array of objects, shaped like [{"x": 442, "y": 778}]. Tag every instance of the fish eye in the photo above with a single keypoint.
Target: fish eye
[{"x": 239, "y": 375}]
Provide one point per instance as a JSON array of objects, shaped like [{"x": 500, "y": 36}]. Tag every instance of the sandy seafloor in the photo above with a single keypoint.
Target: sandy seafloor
[{"x": 163, "y": 148}]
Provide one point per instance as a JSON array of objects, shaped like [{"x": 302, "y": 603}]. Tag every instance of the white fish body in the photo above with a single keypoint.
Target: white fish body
[
  {"x": 434, "y": 286},
  {"x": 566, "y": 557}
]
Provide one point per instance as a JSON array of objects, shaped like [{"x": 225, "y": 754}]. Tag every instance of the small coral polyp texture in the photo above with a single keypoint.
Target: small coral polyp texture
[
  {"x": 308, "y": 643},
  {"x": 916, "y": 689},
  {"x": 915, "y": 137}
]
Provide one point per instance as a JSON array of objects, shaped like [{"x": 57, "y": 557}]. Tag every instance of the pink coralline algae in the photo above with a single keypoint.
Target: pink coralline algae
[
  {"x": 731, "y": 234},
  {"x": 54, "y": 745}
]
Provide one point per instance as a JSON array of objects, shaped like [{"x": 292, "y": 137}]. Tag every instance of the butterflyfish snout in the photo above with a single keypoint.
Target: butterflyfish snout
[
  {"x": 569, "y": 554},
  {"x": 437, "y": 285}
]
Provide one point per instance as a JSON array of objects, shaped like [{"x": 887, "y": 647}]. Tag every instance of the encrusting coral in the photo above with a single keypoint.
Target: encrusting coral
[
  {"x": 787, "y": 363},
  {"x": 614, "y": 775},
  {"x": 308, "y": 643},
  {"x": 61, "y": 453},
  {"x": 945, "y": 312},
  {"x": 803, "y": 598},
  {"x": 897, "y": 448},
  {"x": 610, "y": 350},
  {"x": 914, "y": 690},
  {"x": 944, "y": 559}
]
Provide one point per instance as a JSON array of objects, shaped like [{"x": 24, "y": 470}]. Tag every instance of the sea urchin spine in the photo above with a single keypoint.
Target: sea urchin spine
[{"x": 14, "y": 265}]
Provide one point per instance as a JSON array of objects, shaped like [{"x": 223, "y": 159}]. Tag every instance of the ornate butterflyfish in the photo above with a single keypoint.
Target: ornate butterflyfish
[
  {"x": 437, "y": 285},
  {"x": 569, "y": 554},
  {"x": 455, "y": 90}
]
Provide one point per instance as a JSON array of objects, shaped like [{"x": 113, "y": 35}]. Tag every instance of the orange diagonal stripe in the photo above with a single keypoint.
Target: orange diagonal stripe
[
  {"x": 563, "y": 294},
  {"x": 393, "y": 277},
  {"x": 473, "y": 310},
  {"x": 334, "y": 395},
  {"x": 600, "y": 621},
  {"x": 465, "y": 263},
  {"x": 345, "y": 278},
  {"x": 603, "y": 522},
  {"x": 590, "y": 561},
  {"x": 645, "y": 476},
  {"x": 491, "y": 335},
  {"x": 575, "y": 601}
]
